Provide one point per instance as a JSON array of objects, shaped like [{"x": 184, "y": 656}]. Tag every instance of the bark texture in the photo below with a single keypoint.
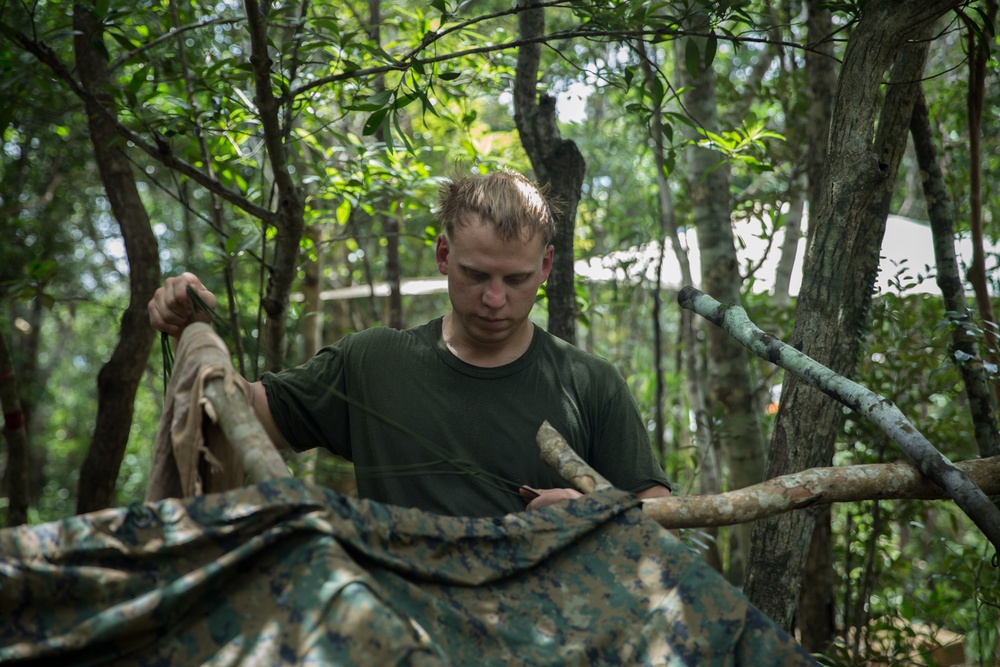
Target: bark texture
[
  {"x": 890, "y": 145},
  {"x": 813, "y": 487},
  {"x": 821, "y": 70},
  {"x": 807, "y": 421},
  {"x": 119, "y": 378},
  {"x": 558, "y": 165},
  {"x": 15, "y": 432},
  {"x": 732, "y": 408}
]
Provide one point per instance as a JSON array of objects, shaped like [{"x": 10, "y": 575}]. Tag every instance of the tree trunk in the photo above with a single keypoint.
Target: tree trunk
[
  {"x": 289, "y": 222},
  {"x": 558, "y": 164},
  {"x": 964, "y": 346},
  {"x": 708, "y": 474},
  {"x": 790, "y": 245},
  {"x": 15, "y": 432},
  {"x": 978, "y": 55},
  {"x": 890, "y": 144},
  {"x": 821, "y": 70},
  {"x": 738, "y": 429},
  {"x": 119, "y": 378},
  {"x": 390, "y": 223},
  {"x": 825, "y": 329}
]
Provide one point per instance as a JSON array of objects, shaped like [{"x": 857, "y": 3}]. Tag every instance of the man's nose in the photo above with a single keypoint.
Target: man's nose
[{"x": 495, "y": 296}]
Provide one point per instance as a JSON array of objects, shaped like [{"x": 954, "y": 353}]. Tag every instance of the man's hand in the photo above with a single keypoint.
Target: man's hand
[
  {"x": 538, "y": 498},
  {"x": 544, "y": 497},
  {"x": 170, "y": 309}
]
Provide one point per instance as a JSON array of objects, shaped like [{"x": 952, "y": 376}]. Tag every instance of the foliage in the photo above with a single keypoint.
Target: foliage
[{"x": 909, "y": 559}]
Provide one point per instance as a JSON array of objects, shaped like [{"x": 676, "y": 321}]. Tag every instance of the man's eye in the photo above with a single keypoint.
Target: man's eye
[{"x": 516, "y": 280}]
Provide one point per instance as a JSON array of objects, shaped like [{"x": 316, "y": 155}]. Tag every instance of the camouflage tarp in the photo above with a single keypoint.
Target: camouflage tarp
[{"x": 280, "y": 573}]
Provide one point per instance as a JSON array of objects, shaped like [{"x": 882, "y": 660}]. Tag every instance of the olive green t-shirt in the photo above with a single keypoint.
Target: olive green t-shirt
[{"x": 427, "y": 430}]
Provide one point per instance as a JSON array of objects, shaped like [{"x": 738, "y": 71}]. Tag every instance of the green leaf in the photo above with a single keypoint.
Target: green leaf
[
  {"x": 374, "y": 122},
  {"x": 711, "y": 47},
  {"x": 343, "y": 212},
  {"x": 101, "y": 9},
  {"x": 135, "y": 83},
  {"x": 692, "y": 58},
  {"x": 656, "y": 92},
  {"x": 404, "y": 100},
  {"x": 381, "y": 99},
  {"x": 123, "y": 41}
]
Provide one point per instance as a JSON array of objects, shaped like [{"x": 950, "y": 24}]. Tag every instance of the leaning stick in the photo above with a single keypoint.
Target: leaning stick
[
  {"x": 232, "y": 411},
  {"x": 246, "y": 435},
  {"x": 881, "y": 412},
  {"x": 815, "y": 486}
]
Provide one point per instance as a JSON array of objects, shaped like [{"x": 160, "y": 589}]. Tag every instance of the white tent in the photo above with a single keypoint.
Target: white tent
[{"x": 907, "y": 252}]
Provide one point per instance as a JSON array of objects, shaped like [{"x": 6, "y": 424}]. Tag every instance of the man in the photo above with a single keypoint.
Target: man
[{"x": 443, "y": 416}]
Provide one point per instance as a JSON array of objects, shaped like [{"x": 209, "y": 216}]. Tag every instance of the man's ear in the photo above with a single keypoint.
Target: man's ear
[
  {"x": 441, "y": 254},
  {"x": 547, "y": 262}
]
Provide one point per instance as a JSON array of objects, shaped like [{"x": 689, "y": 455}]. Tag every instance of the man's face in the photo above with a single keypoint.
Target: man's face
[{"x": 491, "y": 284}]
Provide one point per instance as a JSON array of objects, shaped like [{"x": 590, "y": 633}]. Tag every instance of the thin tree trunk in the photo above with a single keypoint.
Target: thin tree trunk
[
  {"x": 978, "y": 55},
  {"x": 218, "y": 220},
  {"x": 709, "y": 476},
  {"x": 964, "y": 347},
  {"x": 790, "y": 245},
  {"x": 390, "y": 223},
  {"x": 15, "y": 432},
  {"x": 821, "y": 70},
  {"x": 118, "y": 380},
  {"x": 290, "y": 223},
  {"x": 557, "y": 163},
  {"x": 739, "y": 431}
]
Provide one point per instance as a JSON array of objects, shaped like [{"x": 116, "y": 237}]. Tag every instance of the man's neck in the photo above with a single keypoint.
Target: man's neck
[{"x": 485, "y": 355}]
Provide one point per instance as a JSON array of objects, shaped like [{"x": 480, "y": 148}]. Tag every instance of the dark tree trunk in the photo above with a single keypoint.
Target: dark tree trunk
[
  {"x": 15, "y": 432},
  {"x": 119, "y": 378},
  {"x": 558, "y": 164},
  {"x": 890, "y": 144},
  {"x": 826, "y": 316},
  {"x": 978, "y": 55},
  {"x": 289, "y": 219}
]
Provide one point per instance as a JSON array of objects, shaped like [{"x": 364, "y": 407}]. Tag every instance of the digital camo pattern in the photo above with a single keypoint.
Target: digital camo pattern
[{"x": 284, "y": 574}]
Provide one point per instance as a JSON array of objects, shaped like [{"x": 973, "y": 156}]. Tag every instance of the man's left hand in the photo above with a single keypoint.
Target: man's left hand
[{"x": 539, "y": 498}]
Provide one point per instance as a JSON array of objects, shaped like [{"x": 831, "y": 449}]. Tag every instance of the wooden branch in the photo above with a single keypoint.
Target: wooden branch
[
  {"x": 878, "y": 410},
  {"x": 239, "y": 422},
  {"x": 559, "y": 456},
  {"x": 232, "y": 410},
  {"x": 816, "y": 486}
]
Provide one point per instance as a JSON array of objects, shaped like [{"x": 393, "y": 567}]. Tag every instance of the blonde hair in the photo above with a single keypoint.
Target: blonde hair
[{"x": 515, "y": 206}]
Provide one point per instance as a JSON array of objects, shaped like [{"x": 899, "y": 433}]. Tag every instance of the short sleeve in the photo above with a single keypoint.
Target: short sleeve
[
  {"x": 622, "y": 452},
  {"x": 305, "y": 401}
]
